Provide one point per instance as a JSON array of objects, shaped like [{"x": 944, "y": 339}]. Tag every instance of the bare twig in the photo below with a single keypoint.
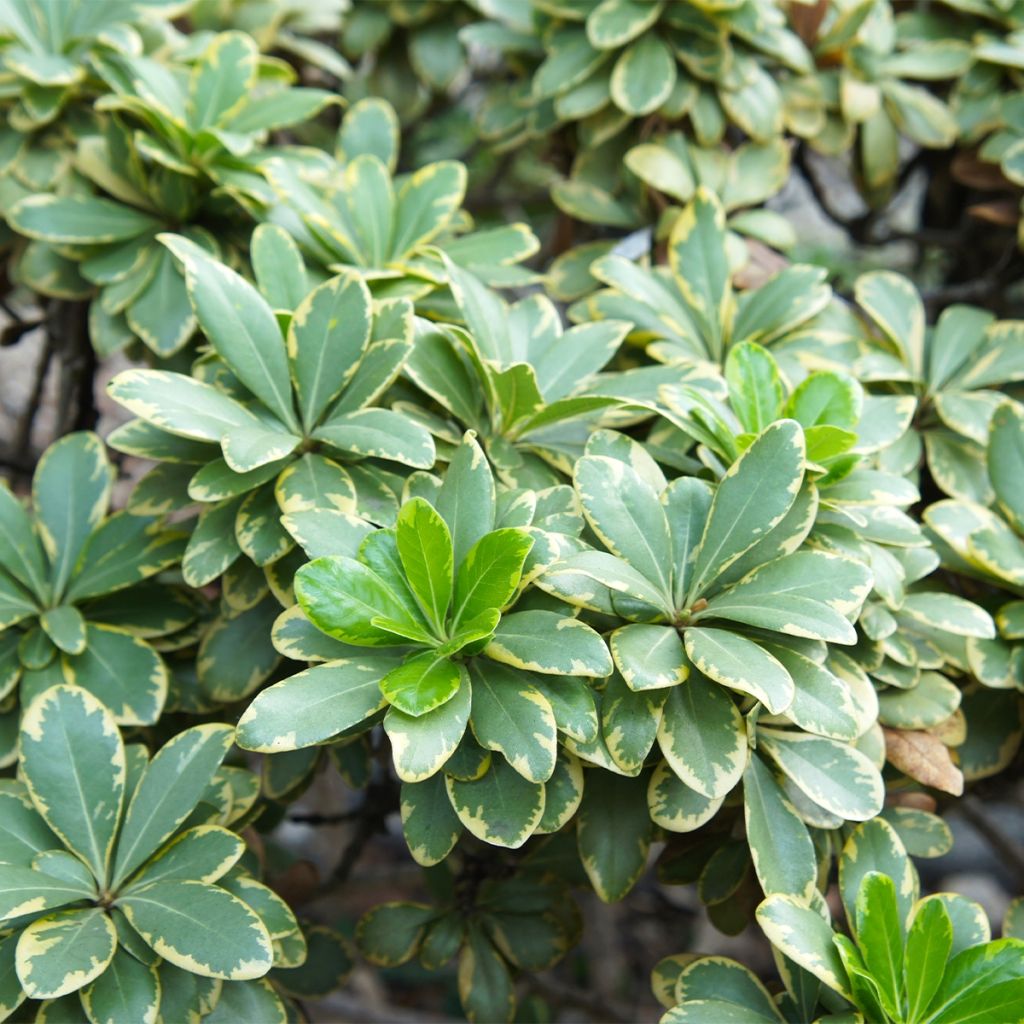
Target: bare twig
[
  {"x": 599, "y": 1008},
  {"x": 1010, "y": 852},
  {"x": 22, "y": 439}
]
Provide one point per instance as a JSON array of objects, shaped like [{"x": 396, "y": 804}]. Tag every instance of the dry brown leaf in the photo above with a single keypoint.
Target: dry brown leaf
[
  {"x": 806, "y": 19},
  {"x": 923, "y": 757},
  {"x": 967, "y": 169},
  {"x": 764, "y": 263},
  {"x": 1005, "y": 212},
  {"x": 912, "y": 798}
]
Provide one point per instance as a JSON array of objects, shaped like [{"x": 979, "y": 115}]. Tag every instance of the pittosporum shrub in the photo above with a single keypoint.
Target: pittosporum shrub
[{"x": 497, "y": 461}]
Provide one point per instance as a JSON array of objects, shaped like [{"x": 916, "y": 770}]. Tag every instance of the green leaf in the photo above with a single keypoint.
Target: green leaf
[
  {"x": 643, "y": 76},
  {"x": 72, "y": 760},
  {"x": 390, "y": 933},
  {"x": 426, "y": 202},
  {"x": 200, "y": 928},
  {"x": 808, "y": 594},
  {"x": 422, "y": 682},
  {"x": 1006, "y": 462},
  {"x": 550, "y": 643},
  {"x": 981, "y": 983},
  {"x": 70, "y": 494},
  {"x": 278, "y": 266},
  {"x": 327, "y": 337},
  {"x": 649, "y": 657},
  {"x": 123, "y": 671},
  {"x": 430, "y": 826},
  {"x": 675, "y": 806},
  {"x": 738, "y": 663},
  {"x": 160, "y": 314},
  {"x": 624, "y": 511},
  {"x": 27, "y": 890},
  {"x": 822, "y": 702},
  {"x": 200, "y": 854},
  {"x": 123, "y": 550},
  {"x": 255, "y": 1000},
  {"x": 805, "y": 937},
  {"x": 65, "y": 627},
  {"x": 180, "y": 405},
  {"x": 929, "y": 941},
  {"x": 614, "y": 22},
  {"x": 562, "y": 794},
  {"x": 880, "y": 937},
  {"x": 381, "y": 434},
  {"x": 780, "y": 845},
  {"x": 239, "y": 325},
  {"x": 893, "y": 303},
  {"x": 127, "y": 992},
  {"x": 490, "y": 573},
  {"x": 315, "y": 482},
  {"x": 755, "y": 389},
  {"x": 249, "y": 448},
  {"x": 486, "y": 990},
  {"x": 20, "y": 551},
  {"x": 513, "y": 717},
  {"x": 370, "y": 126},
  {"x": 753, "y": 497},
  {"x": 421, "y": 745},
  {"x": 700, "y": 266},
  {"x": 347, "y": 600},
  {"x": 425, "y": 548},
  {"x": 314, "y": 705},
  {"x": 703, "y": 738},
  {"x": 717, "y": 977},
  {"x": 78, "y": 220},
  {"x": 501, "y": 808},
  {"x": 466, "y": 498},
  {"x": 222, "y": 79},
  {"x": 23, "y": 833},
  {"x": 171, "y": 786},
  {"x": 329, "y": 962},
  {"x": 613, "y": 833},
  {"x": 63, "y": 952},
  {"x": 834, "y": 775}
]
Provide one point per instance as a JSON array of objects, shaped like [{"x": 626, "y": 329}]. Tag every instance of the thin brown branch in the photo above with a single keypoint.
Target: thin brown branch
[
  {"x": 599, "y": 1008},
  {"x": 1010, "y": 852}
]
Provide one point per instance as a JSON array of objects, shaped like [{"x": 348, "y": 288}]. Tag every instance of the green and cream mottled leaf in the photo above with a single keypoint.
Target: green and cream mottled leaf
[
  {"x": 127, "y": 992},
  {"x": 834, "y": 775},
  {"x": 63, "y": 952},
  {"x": 676, "y": 807},
  {"x": 70, "y": 495},
  {"x": 703, "y": 738},
  {"x": 328, "y": 335},
  {"x": 549, "y": 643},
  {"x": 562, "y": 793},
  {"x": 805, "y": 937},
  {"x": 73, "y": 762},
  {"x": 501, "y": 808},
  {"x": 200, "y": 928},
  {"x": 422, "y": 683},
  {"x": 735, "y": 661},
  {"x": 753, "y": 496},
  {"x": 239, "y": 325},
  {"x": 430, "y": 825},
  {"x": 780, "y": 845},
  {"x": 315, "y": 705},
  {"x": 613, "y": 833},
  {"x": 420, "y": 746},
  {"x": 511, "y": 716}
]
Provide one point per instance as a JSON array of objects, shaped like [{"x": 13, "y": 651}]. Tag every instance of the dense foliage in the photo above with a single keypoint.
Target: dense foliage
[{"x": 533, "y": 477}]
